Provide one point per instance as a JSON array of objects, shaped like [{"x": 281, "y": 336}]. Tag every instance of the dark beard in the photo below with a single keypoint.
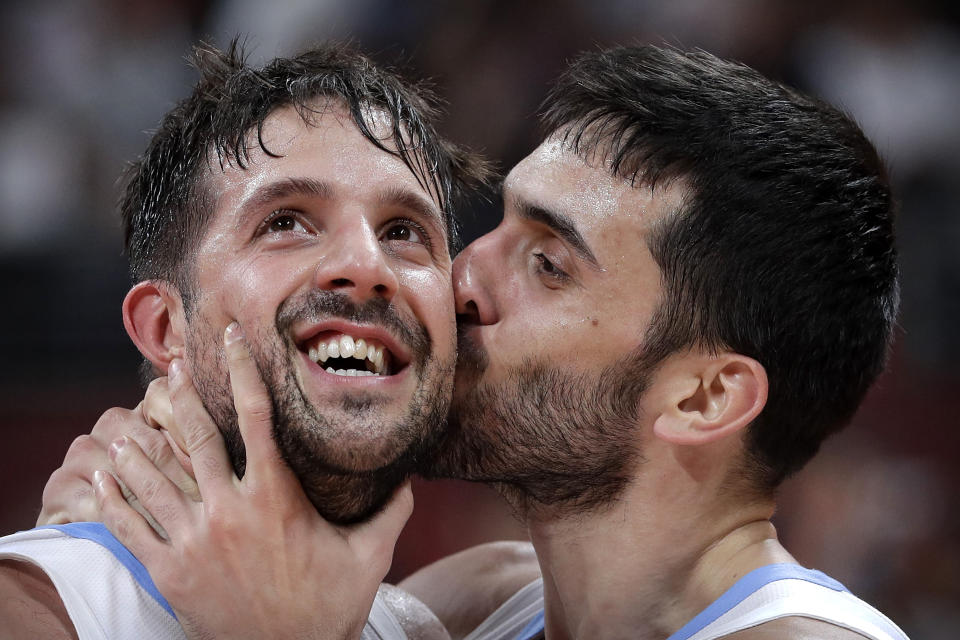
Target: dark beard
[
  {"x": 546, "y": 438},
  {"x": 306, "y": 437}
]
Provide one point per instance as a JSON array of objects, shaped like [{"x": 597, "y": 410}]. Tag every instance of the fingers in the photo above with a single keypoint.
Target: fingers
[
  {"x": 157, "y": 495},
  {"x": 158, "y": 447},
  {"x": 68, "y": 495},
  {"x": 377, "y": 538},
  {"x": 128, "y": 526},
  {"x": 201, "y": 436},
  {"x": 156, "y": 407},
  {"x": 254, "y": 411}
]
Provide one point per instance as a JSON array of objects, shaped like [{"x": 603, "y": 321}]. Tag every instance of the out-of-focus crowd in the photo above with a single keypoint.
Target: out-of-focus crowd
[{"x": 83, "y": 81}]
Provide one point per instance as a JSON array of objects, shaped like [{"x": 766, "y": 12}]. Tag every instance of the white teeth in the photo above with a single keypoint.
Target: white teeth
[
  {"x": 349, "y": 373},
  {"x": 347, "y": 346}
]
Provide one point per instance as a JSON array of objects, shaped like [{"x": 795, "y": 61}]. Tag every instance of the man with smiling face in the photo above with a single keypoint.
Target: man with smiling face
[
  {"x": 693, "y": 285},
  {"x": 301, "y": 213}
]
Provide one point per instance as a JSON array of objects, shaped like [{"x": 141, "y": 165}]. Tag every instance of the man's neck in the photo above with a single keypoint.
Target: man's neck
[{"x": 647, "y": 565}]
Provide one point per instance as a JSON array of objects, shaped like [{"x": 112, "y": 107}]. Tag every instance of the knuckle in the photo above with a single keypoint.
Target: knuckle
[
  {"x": 84, "y": 495},
  {"x": 157, "y": 387},
  {"x": 81, "y": 444},
  {"x": 153, "y": 445},
  {"x": 112, "y": 416},
  {"x": 149, "y": 492},
  {"x": 198, "y": 437},
  {"x": 165, "y": 513},
  {"x": 255, "y": 406},
  {"x": 85, "y": 452}
]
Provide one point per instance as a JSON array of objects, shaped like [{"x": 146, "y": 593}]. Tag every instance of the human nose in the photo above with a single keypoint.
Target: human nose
[
  {"x": 357, "y": 265},
  {"x": 472, "y": 279}
]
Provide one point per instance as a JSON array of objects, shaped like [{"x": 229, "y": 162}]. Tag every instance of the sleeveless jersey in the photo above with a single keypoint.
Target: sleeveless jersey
[
  {"x": 109, "y": 594},
  {"x": 765, "y": 594}
]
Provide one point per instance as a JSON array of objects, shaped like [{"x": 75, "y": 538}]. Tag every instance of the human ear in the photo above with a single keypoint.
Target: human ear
[
  {"x": 711, "y": 397},
  {"x": 152, "y": 316}
]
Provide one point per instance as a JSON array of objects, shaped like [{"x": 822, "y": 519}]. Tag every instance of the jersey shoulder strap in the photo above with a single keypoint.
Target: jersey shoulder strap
[
  {"x": 783, "y": 590},
  {"x": 510, "y": 620}
]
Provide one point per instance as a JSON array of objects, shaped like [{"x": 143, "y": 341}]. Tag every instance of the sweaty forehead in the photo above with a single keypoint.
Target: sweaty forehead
[
  {"x": 326, "y": 131},
  {"x": 326, "y": 147},
  {"x": 553, "y": 176}
]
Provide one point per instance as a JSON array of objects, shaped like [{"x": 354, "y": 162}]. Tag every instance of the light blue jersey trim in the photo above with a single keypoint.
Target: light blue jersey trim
[
  {"x": 731, "y": 598},
  {"x": 533, "y": 627},
  {"x": 749, "y": 584},
  {"x": 97, "y": 532}
]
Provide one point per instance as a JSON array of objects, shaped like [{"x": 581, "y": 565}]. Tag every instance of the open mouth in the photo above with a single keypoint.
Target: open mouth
[{"x": 348, "y": 355}]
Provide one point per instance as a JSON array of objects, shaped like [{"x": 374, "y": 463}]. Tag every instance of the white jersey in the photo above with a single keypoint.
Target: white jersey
[
  {"x": 109, "y": 594},
  {"x": 765, "y": 594},
  {"x": 513, "y": 616}
]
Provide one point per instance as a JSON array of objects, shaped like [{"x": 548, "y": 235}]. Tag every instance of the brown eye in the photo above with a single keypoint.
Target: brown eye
[
  {"x": 285, "y": 222},
  {"x": 404, "y": 232},
  {"x": 550, "y": 270}
]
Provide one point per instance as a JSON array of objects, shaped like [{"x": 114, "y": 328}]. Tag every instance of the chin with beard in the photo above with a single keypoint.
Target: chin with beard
[
  {"x": 548, "y": 439},
  {"x": 312, "y": 444}
]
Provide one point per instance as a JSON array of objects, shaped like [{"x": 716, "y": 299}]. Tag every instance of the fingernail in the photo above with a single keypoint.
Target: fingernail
[
  {"x": 98, "y": 478},
  {"x": 173, "y": 371},
  {"x": 233, "y": 333},
  {"x": 116, "y": 446}
]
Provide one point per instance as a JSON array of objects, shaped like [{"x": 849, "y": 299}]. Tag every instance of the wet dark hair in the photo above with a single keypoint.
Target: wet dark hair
[
  {"x": 164, "y": 205},
  {"x": 783, "y": 247}
]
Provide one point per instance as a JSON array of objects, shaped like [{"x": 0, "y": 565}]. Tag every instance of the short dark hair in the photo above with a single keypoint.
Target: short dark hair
[
  {"x": 164, "y": 207},
  {"x": 783, "y": 248}
]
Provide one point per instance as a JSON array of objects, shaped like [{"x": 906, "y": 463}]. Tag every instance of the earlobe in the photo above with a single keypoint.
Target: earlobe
[
  {"x": 152, "y": 318},
  {"x": 721, "y": 396}
]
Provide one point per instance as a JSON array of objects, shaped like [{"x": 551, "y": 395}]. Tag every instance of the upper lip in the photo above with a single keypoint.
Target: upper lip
[{"x": 398, "y": 351}]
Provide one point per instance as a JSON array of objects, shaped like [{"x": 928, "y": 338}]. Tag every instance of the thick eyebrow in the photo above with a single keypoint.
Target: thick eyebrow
[
  {"x": 561, "y": 224},
  {"x": 287, "y": 188}
]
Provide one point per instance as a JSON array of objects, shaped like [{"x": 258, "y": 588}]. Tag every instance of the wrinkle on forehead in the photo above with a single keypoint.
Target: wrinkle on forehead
[
  {"x": 283, "y": 127},
  {"x": 284, "y": 131}
]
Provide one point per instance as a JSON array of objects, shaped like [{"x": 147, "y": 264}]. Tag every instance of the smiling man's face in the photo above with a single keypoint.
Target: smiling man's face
[{"x": 334, "y": 260}]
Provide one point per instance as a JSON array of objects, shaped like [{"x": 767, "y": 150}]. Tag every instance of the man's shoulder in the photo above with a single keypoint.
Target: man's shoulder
[
  {"x": 466, "y": 587},
  {"x": 30, "y": 605},
  {"x": 795, "y": 628},
  {"x": 414, "y": 617},
  {"x": 100, "y": 583}
]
